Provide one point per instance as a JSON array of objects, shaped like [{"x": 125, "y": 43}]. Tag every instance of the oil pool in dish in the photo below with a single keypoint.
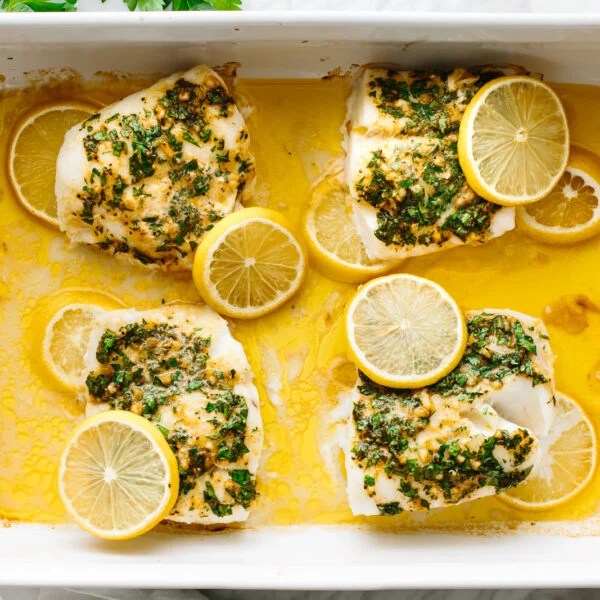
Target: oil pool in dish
[{"x": 404, "y": 403}]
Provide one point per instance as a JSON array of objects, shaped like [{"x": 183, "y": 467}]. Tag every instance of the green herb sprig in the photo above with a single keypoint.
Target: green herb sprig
[
  {"x": 38, "y": 5},
  {"x": 143, "y": 5}
]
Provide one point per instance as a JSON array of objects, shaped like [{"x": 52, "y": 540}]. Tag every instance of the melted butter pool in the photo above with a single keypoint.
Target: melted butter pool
[{"x": 298, "y": 352}]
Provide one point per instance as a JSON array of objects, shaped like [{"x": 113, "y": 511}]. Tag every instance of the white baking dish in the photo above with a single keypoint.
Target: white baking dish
[{"x": 564, "y": 48}]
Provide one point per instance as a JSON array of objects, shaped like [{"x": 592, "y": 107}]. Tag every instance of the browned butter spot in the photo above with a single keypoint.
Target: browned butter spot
[
  {"x": 594, "y": 375},
  {"x": 570, "y": 312}
]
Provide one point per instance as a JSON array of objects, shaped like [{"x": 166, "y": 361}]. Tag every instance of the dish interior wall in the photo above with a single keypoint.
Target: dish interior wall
[{"x": 565, "y": 61}]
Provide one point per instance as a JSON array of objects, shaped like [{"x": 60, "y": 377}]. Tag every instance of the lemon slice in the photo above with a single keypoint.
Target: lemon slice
[
  {"x": 513, "y": 142},
  {"x": 54, "y": 328},
  {"x": 571, "y": 212},
  {"x": 66, "y": 340},
  {"x": 404, "y": 331},
  {"x": 117, "y": 477},
  {"x": 249, "y": 264},
  {"x": 32, "y": 155},
  {"x": 568, "y": 463},
  {"x": 333, "y": 240}
]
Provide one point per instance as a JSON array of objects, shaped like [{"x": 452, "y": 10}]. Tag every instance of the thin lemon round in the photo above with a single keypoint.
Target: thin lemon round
[
  {"x": 405, "y": 331},
  {"x": 571, "y": 212},
  {"x": 32, "y": 155},
  {"x": 513, "y": 142},
  {"x": 62, "y": 324},
  {"x": 249, "y": 264},
  {"x": 333, "y": 241},
  {"x": 66, "y": 339},
  {"x": 568, "y": 462},
  {"x": 118, "y": 477}
]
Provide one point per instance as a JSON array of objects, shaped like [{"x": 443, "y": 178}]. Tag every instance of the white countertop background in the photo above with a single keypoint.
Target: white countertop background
[
  {"x": 490, "y": 6},
  {"x": 71, "y": 594},
  {"x": 430, "y": 5}
]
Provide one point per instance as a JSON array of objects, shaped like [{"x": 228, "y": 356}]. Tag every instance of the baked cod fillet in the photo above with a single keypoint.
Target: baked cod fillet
[
  {"x": 475, "y": 433},
  {"x": 145, "y": 177},
  {"x": 402, "y": 163},
  {"x": 180, "y": 367}
]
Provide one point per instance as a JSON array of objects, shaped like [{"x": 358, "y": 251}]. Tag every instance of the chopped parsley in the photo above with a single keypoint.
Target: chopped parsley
[
  {"x": 419, "y": 191},
  {"x": 221, "y": 509},
  {"x": 164, "y": 226},
  {"x": 387, "y": 422},
  {"x": 146, "y": 366},
  {"x": 138, "y": 364}
]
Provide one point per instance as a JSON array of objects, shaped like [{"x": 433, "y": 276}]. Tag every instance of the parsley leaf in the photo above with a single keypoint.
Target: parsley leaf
[
  {"x": 38, "y": 5},
  {"x": 146, "y": 5},
  {"x": 226, "y": 4},
  {"x": 183, "y": 5},
  {"x": 180, "y": 5}
]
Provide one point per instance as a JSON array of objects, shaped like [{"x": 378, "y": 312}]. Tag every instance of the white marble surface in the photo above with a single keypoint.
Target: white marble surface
[
  {"x": 518, "y": 6},
  {"x": 564, "y": 6},
  {"x": 69, "y": 594},
  {"x": 521, "y": 6}
]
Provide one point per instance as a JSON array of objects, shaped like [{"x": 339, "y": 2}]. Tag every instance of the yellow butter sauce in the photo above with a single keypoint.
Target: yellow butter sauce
[{"x": 298, "y": 352}]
